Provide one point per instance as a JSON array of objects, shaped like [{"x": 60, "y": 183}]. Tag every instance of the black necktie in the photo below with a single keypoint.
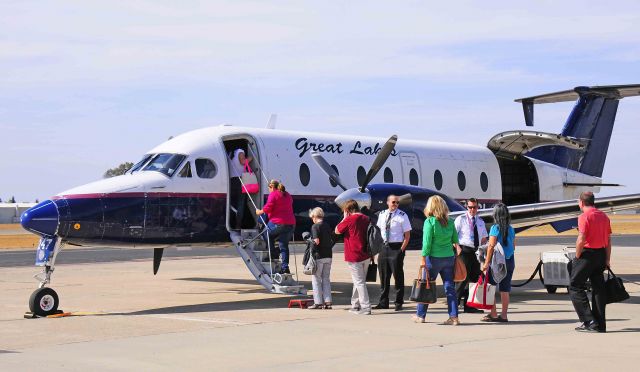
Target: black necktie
[
  {"x": 387, "y": 226},
  {"x": 476, "y": 240}
]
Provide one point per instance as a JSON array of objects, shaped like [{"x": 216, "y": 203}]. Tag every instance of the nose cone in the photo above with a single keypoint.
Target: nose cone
[
  {"x": 362, "y": 198},
  {"x": 41, "y": 219}
]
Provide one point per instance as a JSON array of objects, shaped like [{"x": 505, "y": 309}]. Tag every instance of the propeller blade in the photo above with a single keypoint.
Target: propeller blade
[
  {"x": 157, "y": 257},
  {"x": 379, "y": 161},
  {"x": 405, "y": 199},
  {"x": 326, "y": 168}
]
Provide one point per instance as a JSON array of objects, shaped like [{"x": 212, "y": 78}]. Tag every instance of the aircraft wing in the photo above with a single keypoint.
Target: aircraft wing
[{"x": 531, "y": 215}]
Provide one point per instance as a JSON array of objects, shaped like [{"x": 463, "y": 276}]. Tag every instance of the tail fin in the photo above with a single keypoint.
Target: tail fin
[{"x": 591, "y": 119}]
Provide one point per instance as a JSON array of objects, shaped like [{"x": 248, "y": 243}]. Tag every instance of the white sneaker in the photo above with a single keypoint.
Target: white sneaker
[{"x": 366, "y": 311}]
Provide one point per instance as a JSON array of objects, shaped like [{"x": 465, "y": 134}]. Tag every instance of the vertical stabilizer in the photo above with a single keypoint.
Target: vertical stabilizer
[{"x": 591, "y": 119}]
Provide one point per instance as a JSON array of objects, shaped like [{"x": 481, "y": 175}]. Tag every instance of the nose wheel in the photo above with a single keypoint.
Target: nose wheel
[{"x": 44, "y": 301}]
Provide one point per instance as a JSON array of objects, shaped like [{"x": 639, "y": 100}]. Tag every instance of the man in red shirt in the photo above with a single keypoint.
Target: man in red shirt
[{"x": 593, "y": 253}]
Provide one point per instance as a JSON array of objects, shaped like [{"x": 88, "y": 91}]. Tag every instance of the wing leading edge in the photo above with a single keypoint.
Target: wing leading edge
[{"x": 531, "y": 215}]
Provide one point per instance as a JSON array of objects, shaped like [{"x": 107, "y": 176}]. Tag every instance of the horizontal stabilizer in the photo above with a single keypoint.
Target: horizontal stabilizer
[{"x": 609, "y": 91}]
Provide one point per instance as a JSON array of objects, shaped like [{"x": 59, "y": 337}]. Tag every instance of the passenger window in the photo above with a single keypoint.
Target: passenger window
[
  {"x": 388, "y": 175},
  {"x": 413, "y": 177},
  {"x": 437, "y": 179},
  {"x": 484, "y": 181},
  {"x": 305, "y": 174},
  {"x": 462, "y": 181},
  {"x": 185, "y": 172},
  {"x": 205, "y": 168}
]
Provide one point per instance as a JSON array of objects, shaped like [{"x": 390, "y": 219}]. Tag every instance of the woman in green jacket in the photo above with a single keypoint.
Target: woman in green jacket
[{"x": 439, "y": 249}]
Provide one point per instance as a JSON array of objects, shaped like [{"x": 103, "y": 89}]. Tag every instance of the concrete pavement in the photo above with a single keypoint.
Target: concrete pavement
[{"x": 207, "y": 313}]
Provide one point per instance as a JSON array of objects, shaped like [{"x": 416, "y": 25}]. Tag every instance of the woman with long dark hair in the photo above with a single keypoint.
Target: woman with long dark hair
[{"x": 501, "y": 232}]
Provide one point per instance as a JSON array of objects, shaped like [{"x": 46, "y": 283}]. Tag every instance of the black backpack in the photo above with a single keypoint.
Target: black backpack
[{"x": 374, "y": 240}]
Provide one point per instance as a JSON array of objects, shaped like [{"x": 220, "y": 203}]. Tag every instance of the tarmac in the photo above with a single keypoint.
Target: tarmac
[{"x": 206, "y": 312}]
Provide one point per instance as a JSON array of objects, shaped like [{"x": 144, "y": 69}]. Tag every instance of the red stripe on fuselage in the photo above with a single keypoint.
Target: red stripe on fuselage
[{"x": 142, "y": 195}]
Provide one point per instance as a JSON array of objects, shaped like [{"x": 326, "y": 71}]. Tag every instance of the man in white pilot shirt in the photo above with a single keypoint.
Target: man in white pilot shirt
[{"x": 395, "y": 227}]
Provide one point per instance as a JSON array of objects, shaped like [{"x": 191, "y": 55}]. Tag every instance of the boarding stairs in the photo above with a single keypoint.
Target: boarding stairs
[{"x": 266, "y": 269}]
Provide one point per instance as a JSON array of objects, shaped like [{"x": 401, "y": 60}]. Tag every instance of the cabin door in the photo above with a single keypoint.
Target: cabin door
[{"x": 241, "y": 207}]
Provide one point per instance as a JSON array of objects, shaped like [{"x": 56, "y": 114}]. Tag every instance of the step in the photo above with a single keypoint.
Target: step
[
  {"x": 289, "y": 289},
  {"x": 248, "y": 234},
  {"x": 263, "y": 255}
]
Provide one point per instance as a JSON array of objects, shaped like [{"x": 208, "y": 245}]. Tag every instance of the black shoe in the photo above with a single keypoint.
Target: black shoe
[
  {"x": 473, "y": 310},
  {"x": 380, "y": 307},
  {"x": 588, "y": 327},
  {"x": 398, "y": 307}
]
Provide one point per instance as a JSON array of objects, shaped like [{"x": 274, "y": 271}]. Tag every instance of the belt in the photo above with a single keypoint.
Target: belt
[
  {"x": 394, "y": 245},
  {"x": 468, "y": 248}
]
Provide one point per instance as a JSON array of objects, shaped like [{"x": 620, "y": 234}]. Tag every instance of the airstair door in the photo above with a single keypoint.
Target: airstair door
[{"x": 411, "y": 174}]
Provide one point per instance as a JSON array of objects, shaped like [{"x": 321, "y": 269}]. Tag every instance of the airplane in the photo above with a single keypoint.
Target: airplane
[{"x": 178, "y": 193}]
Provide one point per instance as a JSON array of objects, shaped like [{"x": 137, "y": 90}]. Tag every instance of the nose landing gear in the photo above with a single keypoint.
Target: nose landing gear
[{"x": 44, "y": 301}]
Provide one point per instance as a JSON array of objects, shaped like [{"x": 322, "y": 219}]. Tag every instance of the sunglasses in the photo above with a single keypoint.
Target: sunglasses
[
  {"x": 472, "y": 207},
  {"x": 395, "y": 202}
]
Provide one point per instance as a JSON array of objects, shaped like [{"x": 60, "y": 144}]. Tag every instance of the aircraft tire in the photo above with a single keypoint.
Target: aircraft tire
[{"x": 44, "y": 301}]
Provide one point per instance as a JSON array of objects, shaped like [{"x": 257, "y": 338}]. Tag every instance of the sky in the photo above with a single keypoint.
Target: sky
[{"x": 85, "y": 86}]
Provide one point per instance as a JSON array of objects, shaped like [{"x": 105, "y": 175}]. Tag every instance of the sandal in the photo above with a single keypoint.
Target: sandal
[
  {"x": 489, "y": 318},
  {"x": 500, "y": 319},
  {"x": 316, "y": 307},
  {"x": 327, "y": 306}
]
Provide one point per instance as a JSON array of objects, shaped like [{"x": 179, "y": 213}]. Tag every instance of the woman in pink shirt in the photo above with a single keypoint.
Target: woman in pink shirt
[{"x": 282, "y": 221}]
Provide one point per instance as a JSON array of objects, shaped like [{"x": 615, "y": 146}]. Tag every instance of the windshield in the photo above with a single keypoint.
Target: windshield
[
  {"x": 139, "y": 164},
  {"x": 165, "y": 163}
]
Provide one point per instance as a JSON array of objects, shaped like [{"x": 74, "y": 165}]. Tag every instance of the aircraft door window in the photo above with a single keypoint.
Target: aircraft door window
[
  {"x": 205, "y": 168},
  {"x": 338, "y": 173},
  {"x": 484, "y": 182},
  {"x": 462, "y": 181},
  {"x": 362, "y": 173},
  {"x": 305, "y": 174},
  {"x": 166, "y": 164},
  {"x": 388, "y": 175},
  {"x": 185, "y": 172},
  {"x": 413, "y": 177},
  {"x": 437, "y": 179}
]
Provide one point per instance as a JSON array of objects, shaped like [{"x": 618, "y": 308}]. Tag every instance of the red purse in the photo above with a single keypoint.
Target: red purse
[{"x": 482, "y": 295}]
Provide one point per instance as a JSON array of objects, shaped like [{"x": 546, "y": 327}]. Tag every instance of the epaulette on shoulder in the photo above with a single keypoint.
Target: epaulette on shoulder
[{"x": 402, "y": 213}]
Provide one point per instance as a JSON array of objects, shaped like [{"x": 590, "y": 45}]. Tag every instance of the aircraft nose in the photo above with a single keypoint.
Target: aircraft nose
[{"x": 41, "y": 219}]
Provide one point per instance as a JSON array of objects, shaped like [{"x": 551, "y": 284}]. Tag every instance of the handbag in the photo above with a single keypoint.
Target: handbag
[
  {"x": 423, "y": 290},
  {"x": 249, "y": 180},
  {"x": 371, "y": 272},
  {"x": 459, "y": 270},
  {"x": 310, "y": 267},
  {"x": 482, "y": 295},
  {"x": 614, "y": 288}
]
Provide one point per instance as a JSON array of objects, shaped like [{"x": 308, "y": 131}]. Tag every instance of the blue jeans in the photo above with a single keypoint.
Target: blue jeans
[
  {"x": 283, "y": 234},
  {"x": 444, "y": 267}
]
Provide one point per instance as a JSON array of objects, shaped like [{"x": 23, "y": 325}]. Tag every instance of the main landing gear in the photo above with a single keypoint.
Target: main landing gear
[{"x": 44, "y": 301}]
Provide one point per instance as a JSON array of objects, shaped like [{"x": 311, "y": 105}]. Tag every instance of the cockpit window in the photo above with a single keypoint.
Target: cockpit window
[
  {"x": 139, "y": 164},
  {"x": 185, "y": 172},
  {"x": 165, "y": 163},
  {"x": 205, "y": 168}
]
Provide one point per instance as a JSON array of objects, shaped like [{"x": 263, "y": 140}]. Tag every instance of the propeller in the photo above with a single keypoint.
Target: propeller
[
  {"x": 359, "y": 194},
  {"x": 157, "y": 257},
  {"x": 324, "y": 165},
  {"x": 379, "y": 161}
]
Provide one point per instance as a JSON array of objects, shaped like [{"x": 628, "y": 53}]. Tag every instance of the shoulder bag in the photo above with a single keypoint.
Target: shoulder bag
[{"x": 614, "y": 288}]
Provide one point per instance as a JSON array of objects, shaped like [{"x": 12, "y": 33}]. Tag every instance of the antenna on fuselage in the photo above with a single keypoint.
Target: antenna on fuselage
[{"x": 272, "y": 121}]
